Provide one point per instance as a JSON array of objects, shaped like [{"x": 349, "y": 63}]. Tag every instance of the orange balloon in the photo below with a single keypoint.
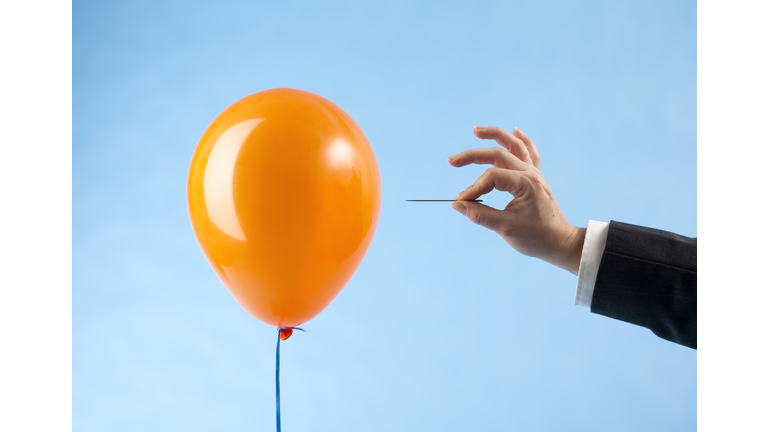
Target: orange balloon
[{"x": 284, "y": 193}]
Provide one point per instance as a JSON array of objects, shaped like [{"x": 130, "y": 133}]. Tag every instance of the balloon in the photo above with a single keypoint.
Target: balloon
[{"x": 284, "y": 193}]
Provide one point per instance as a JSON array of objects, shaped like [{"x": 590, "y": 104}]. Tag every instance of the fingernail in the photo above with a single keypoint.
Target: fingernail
[
  {"x": 458, "y": 197},
  {"x": 450, "y": 158},
  {"x": 479, "y": 128},
  {"x": 460, "y": 207},
  {"x": 518, "y": 129}
]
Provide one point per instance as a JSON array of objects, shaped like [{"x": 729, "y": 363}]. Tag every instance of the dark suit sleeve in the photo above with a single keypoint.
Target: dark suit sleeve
[{"x": 648, "y": 277}]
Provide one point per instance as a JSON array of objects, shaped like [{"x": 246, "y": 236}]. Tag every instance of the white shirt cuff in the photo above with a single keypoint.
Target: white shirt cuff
[{"x": 591, "y": 254}]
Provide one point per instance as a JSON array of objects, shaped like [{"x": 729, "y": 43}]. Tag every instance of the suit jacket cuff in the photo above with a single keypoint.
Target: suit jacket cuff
[{"x": 647, "y": 277}]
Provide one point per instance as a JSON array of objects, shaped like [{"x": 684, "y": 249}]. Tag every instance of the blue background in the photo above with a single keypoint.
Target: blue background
[{"x": 444, "y": 326}]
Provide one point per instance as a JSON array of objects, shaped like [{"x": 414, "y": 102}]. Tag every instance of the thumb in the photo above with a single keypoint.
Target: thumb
[{"x": 480, "y": 214}]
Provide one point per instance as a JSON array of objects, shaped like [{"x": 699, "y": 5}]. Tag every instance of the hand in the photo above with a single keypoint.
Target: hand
[{"x": 532, "y": 223}]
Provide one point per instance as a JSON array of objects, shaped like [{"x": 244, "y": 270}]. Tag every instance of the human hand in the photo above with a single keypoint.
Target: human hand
[{"x": 532, "y": 223}]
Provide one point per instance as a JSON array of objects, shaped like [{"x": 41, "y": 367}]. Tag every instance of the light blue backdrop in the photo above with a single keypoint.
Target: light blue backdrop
[{"x": 444, "y": 326}]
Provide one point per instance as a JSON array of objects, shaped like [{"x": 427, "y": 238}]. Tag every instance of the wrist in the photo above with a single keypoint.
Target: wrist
[{"x": 569, "y": 257}]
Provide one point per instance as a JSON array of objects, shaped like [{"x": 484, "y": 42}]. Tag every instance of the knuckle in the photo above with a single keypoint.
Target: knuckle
[
  {"x": 487, "y": 175},
  {"x": 516, "y": 149},
  {"x": 525, "y": 250},
  {"x": 521, "y": 146},
  {"x": 507, "y": 231},
  {"x": 476, "y": 217},
  {"x": 535, "y": 180},
  {"x": 490, "y": 174}
]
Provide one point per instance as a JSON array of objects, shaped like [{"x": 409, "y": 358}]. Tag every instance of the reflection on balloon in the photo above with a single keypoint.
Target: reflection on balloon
[
  {"x": 340, "y": 153},
  {"x": 219, "y": 172}
]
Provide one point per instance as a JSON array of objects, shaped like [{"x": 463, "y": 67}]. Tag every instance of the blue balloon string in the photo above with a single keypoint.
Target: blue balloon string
[
  {"x": 277, "y": 371},
  {"x": 277, "y": 379}
]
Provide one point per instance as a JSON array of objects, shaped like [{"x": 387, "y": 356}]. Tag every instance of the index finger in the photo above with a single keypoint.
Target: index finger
[{"x": 494, "y": 178}]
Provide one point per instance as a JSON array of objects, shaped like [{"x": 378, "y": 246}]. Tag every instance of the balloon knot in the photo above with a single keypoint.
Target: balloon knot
[{"x": 286, "y": 332}]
